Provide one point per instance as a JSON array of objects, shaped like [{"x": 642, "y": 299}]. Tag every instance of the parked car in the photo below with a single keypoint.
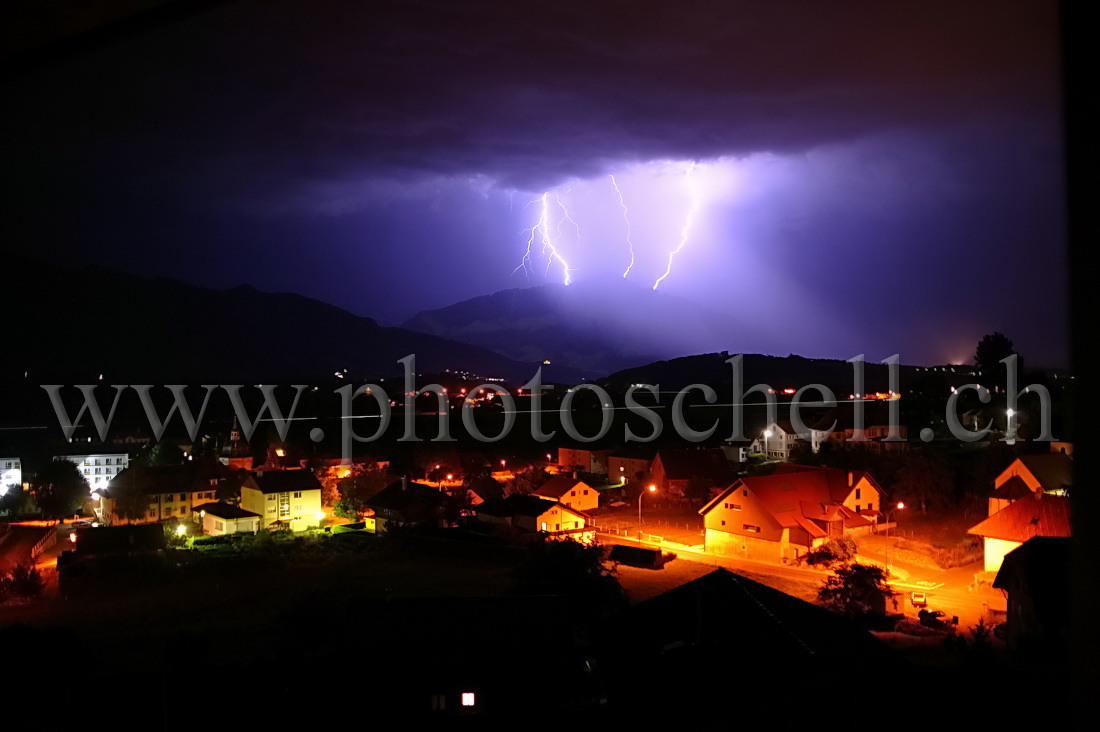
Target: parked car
[{"x": 933, "y": 619}]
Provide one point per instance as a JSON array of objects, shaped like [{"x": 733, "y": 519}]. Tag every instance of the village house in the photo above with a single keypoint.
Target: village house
[
  {"x": 219, "y": 519},
  {"x": 783, "y": 516},
  {"x": 289, "y": 499},
  {"x": 403, "y": 503},
  {"x": 172, "y": 490},
  {"x": 628, "y": 464},
  {"x": 1039, "y": 514},
  {"x": 583, "y": 460},
  {"x": 838, "y": 429},
  {"x": 1035, "y": 577},
  {"x": 780, "y": 439},
  {"x": 674, "y": 470},
  {"x": 571, "y": 492},
  {"x": 532, "y": 514}
]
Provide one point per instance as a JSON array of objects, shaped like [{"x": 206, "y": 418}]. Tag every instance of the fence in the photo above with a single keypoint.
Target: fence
[{"x": 47, "y": 541}]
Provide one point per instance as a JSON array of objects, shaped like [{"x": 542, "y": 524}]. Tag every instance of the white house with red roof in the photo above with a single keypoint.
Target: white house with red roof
[
  {"x": 1040, "y": 514},
  {"x": 785, "y": 515}
]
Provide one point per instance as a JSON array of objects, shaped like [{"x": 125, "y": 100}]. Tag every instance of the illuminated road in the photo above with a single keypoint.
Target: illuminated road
[
  {"x": 950, "y": 592},
  {"x": 16, "y": 548}
]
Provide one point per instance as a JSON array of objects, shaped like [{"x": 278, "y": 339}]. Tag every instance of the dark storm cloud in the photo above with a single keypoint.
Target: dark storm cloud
[{"x": 255, "y": 100}]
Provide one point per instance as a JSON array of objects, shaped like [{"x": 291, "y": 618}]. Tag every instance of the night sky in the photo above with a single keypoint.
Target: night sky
[{"x": 869, "y": 177}]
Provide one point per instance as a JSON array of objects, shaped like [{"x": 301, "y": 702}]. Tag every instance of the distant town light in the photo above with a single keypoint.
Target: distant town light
[
  {"x": 280, "y": 452},
  {"x": 72, "y": 537}
]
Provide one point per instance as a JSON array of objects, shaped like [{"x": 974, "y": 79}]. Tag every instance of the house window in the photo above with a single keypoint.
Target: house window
[
  {"x": 745, "y": 492},
  {"x": 219, "y": 526},
  {"x": 572, "y": 494},
  {"x": 857, "y": 508},
  {"x": 439, "y": 702},
  {"x": 97, "y": 471},
  {"x": 751, "y": 529},
  {"x": 271, "y": 497},
  {"x": 544, "y": 526},
  {"x": 586, "y": 493},
  {"x": 298, "y": 494},
  {"x": 723, "y": 523},
  {"x": 183, "y": 496},
  {"x": 857, "y": 494},
  {"x": 468, "y": 699},
  {"x": 297, "y": 508},
  {"x": 153, "y": 513}
]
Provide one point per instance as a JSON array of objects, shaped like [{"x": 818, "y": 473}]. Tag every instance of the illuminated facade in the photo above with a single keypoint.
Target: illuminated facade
[
  {"x": 11, "y": 473},
  {"x": 99, "y": 468},
  {"x": 288, "y": 498},
  {"x": 783, "y": 516}
]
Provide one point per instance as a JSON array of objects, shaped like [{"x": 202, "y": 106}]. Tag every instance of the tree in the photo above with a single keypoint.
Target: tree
[
  {"x": 161, "y": 453},
  {"x": 838, "y": 551},
  {"x": 356, "y": 489},
  {"x": 991, "y": 350},
  {"x": 12, "y": 499},
  {"x": 59, "y": 489},
  {"x": 568, "y": 567},
  {"x": 856, "y": 589},
  {"x": 25, "y": 581},
  {"x": 925, "y": 479}
]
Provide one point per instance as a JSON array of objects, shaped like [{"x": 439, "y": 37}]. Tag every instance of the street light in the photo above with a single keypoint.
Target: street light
[
  {"x": 889, "y": 515},
  {"x": 652, "y": 489},
  {"x": 1010, "y": 436},
  {"x": 767, "y": 434}
]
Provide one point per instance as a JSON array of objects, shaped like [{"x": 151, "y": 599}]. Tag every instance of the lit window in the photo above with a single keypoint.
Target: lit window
[{"x": 468, "y": 699}]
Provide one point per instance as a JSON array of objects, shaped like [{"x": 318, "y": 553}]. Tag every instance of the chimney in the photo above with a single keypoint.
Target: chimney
[
  {"x": 404, "y": 482},
  {"x": 574, "y": 475},
  {"x": 260, "y": 472},
  {"x": 851, "y": 479}
]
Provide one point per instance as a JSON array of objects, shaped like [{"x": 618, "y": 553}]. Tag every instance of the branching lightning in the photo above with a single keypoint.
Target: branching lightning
[
  {"x": 541, "y": 231},
  {"x": 687, "y": 222},
  {"x": 627, "y": 220}
]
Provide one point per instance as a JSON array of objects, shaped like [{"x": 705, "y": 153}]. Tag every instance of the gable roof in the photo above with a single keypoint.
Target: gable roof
[
  {"x": 558, "y": 486},
  {"x": 806, "y": 499},
  {"x": 685, "y": 464},
  {"x": 521, "y": 505},
  {"x": 1012, "y": 489},
  {"x": 1036, "y": 515},
  {"x": 180, "y": 478},
  {"x": 399, "y": 497},
  {"x": 1053, "y": 470},
  {"x": 284, "y": 481},
  {"x": 700, "y": 614},
  {"x": 226, "y": 511}
]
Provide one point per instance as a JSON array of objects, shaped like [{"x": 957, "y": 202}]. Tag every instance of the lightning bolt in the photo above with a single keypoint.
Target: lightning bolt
[
  {"x": 627, "y": 220},
  {"x": 541, "y": 232},
  {"x": 687, "y": 222}
]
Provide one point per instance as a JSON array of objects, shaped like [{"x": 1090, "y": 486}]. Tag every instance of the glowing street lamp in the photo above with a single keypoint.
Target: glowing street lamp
[
  {"x": 767, "y": 435},
  {"x": 1010, "y": 431},
  {"x": 652, "y": 489}
]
